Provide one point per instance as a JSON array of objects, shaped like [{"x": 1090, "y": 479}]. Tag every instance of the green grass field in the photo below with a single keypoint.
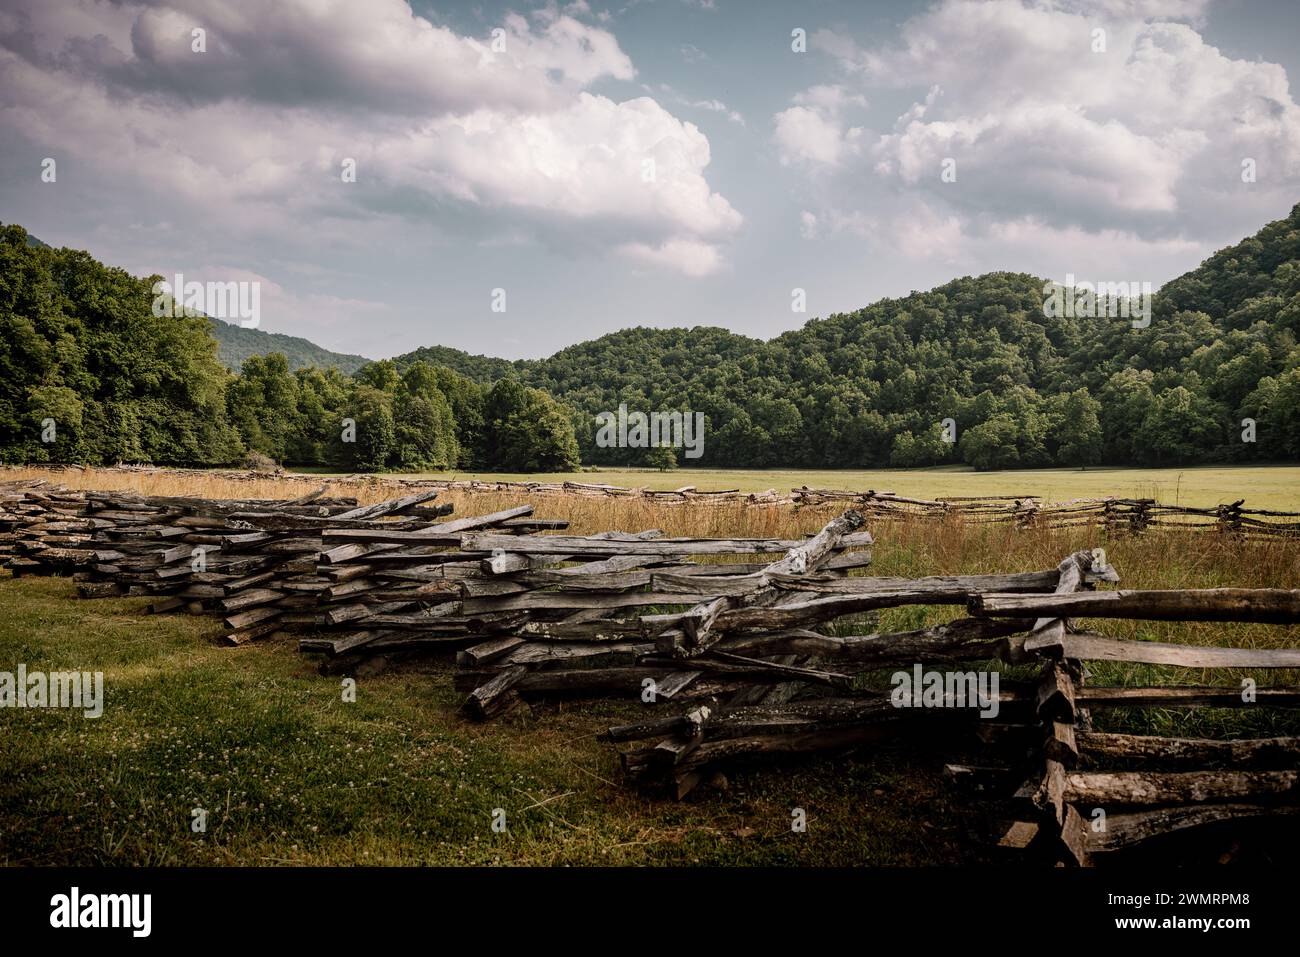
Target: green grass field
[
  {"x": 1272, "y": 487},
  {"x": 290, "y": 774}
]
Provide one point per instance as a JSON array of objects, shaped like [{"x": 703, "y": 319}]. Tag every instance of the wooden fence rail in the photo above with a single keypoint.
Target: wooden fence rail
[{"x": 1114, "y": 513}]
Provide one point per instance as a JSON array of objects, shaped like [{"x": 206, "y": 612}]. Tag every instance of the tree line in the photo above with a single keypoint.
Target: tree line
[
  {"x": 970, "y": 372},
  {"x": 89, "y": 374}
]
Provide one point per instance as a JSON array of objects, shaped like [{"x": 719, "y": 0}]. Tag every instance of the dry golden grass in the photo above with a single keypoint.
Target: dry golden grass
[
  {"x": 917, "y": 546},
  {"x": 586, "y": 514},
  {"x": 1155, "y": 560},
  {"x": 1262, "y": 486},
  {"x": 194, "y": 483}
]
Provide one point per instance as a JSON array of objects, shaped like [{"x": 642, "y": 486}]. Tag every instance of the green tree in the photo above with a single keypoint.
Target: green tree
[
  {"x": 376, "y": 437},
  {"x": 63, "y": 410},
  {"x": 993, "y": 444},
  {"x": 1126, "y": 399},
  {"x": 1078, "y": 429},
  {"x": 904, "y": 453},
  {"x": 322, "y": 394},
  {"x": 1275, "y": 405},
  {"x": 381, "y": 375},
  {"x": 466, "y": 398},
  {"x": 527, "y": 431},
  {"x": 1178, "y": 423},
  {"x": 663, "y": 458},
  {"x": 424, "y": 431},
  {"x": 263, "y": 403},
  {"x": 79, "y": 340}
]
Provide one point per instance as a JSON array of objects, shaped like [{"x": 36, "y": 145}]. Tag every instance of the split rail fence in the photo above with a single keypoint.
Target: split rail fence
[{"x": 1115, "y": 514}]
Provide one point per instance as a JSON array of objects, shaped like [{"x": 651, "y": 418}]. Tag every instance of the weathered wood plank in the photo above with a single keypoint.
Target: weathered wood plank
[
  {"x": 1124, "y": 788},
  {"x": 1189, "y": 696},
  {"x": 1125, "y": 830},
  {"x": 1201, "y": 752},
  {"x": 1267, "y": 605},
  {"x": 1088, "y": 646},
  {"x": 569, "y": 544}
]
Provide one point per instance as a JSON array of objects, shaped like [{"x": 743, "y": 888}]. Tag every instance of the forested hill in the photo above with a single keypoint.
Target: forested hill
[
  {"x": 1257, "y": 280},
  {"x": 91, "y": 372},
  {"x": 235, "y": 344},
  {"x": 871, "y": 387},
  {"x": 482, "y": 369}
]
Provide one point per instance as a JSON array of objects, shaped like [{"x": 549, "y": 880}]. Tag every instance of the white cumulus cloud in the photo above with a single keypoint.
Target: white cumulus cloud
[
  {"x": 440, "y": 124},
  {"x": 1140, "y": 128},
  {"x": 813, "y": 130}
]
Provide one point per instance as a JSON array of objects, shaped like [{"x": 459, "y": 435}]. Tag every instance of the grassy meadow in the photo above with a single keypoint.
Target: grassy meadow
[
  {"x": 290, "y": 773},
  {"x": 1273, "y": 487}
]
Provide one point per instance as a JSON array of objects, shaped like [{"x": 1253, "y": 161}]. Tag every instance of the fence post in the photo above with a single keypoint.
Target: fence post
[
  {"x": 1141, "y": 515},
  {"x": 1228, "y": 517}
]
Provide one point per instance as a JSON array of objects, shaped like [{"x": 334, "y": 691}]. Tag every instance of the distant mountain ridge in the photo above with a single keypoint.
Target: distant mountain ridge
[
  {"x": 1238, "y": 285},
  {"x": 235, "y": 344}
]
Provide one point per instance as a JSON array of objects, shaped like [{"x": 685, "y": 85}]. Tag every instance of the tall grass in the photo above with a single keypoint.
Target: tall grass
[
  {"x": 910, "y": 547},
  {"x": 1154, "y": 560}
]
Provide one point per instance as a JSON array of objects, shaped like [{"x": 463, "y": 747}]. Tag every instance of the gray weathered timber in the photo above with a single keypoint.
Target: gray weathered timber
[
  {"x": 1048, "y": 631},
  {"x": 1185, "y": 697},
  {"x": 568, "y": 544},
  {"x": 1087, "y": 646},
  {"x": 1125, "y": 830},
  {"x": 1097, "y": 746},
  {"x": 964, "y": 639},
  {"x": 1126, "y": 788},
  {"x": 1269, "y": 605}
]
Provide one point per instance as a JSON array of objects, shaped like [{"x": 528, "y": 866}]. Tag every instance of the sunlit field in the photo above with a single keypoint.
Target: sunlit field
[{"x": 1275, "y": 487}]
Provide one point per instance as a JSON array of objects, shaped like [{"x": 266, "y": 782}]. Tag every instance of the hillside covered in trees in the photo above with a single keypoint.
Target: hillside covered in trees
[
  {"x": 872, "y": 387},
  {"x": 89, "y": 374},
  {"x": 862, "y": 389},
  {"x": 235, "y": 344}
]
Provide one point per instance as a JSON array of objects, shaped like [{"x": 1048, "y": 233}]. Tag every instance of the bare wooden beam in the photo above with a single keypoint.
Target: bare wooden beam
[
  {"x": 1268, "y": 605},
  {"x": 1202, "y": 752},
  {"x": 1124, "y": 788},
  {"x": 1088, "y": 646}
]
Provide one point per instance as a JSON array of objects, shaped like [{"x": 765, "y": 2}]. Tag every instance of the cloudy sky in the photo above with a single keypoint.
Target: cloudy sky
[{"x": 639, "y": 162}]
